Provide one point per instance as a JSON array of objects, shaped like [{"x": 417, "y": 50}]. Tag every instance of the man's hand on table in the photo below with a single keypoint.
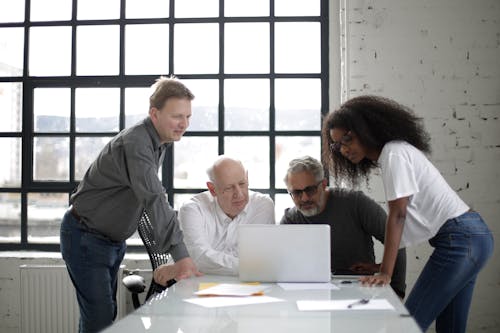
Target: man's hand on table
[{"x": 182, "y": 269}]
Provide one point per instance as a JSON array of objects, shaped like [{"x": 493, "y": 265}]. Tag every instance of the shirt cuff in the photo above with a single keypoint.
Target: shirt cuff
[{"x": 179, "y": 251}]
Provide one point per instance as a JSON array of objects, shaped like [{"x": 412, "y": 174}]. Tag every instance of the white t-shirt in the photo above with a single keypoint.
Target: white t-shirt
[
  {"x": 406, "y": 172},
  {"x": 211, "y": 237}
]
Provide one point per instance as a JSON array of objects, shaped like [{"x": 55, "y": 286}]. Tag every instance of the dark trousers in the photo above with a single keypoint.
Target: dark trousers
[{"x": 93, "y": 262}]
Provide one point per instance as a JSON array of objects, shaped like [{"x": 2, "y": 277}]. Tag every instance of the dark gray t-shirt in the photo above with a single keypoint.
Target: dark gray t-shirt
[
  {"x": 122, "y": 182},
  {"x": 354, "y": 219}
]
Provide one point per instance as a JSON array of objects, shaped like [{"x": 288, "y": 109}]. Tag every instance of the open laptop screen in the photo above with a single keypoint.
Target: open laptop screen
[{"x": 284, "y": 253}]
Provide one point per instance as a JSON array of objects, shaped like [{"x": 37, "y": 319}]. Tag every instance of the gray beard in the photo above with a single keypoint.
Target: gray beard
[
  {"x": 317, "y": 209},
  {"x": 310, "y": 212}
]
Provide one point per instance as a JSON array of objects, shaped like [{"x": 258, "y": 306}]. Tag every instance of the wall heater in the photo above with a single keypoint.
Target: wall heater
[{"x": 48, "y": 301}]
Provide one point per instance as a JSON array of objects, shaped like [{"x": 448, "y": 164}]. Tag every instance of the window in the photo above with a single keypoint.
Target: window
[{"x": 72, "y": 77}]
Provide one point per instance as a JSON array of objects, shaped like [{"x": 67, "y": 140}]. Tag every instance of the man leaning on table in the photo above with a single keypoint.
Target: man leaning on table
[
  {"x": 210, "y": 219},
  {"x": 353, "y": 218},
  {"x": 108, "y": 203}
]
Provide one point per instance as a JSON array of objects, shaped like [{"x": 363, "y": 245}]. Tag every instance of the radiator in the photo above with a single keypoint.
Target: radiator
[{"x": 48, "y": 299}]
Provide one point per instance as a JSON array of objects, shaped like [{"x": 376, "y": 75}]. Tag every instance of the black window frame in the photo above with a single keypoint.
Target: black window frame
[{"x": 122, "y": 81}]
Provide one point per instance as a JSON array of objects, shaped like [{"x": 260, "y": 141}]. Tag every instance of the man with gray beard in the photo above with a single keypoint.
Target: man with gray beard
[{"x": 353, "y": 218}]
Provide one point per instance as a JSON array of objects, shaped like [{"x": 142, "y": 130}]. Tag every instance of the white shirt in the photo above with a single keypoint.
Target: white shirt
[
  {"x": 211, "y": 237},
  {"x": 406, "y": 172}
]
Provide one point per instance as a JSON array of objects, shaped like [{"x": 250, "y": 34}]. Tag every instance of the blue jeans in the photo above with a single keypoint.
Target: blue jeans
[
  {"x": 93, "y": 262},
  {"x": 443, "y": 291}
]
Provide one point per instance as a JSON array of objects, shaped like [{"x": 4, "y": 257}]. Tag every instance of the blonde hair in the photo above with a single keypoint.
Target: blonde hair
[{"x": 168, "y": 87}]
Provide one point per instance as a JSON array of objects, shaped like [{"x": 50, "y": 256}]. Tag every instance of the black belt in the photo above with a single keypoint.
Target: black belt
[{"x": 73, "y": 212}]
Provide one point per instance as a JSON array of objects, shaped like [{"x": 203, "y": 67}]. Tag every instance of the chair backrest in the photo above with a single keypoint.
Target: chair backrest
[{"x": 157, "y": 257}]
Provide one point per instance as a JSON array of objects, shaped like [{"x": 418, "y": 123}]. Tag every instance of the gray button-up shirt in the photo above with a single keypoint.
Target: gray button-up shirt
[{"x": 123, "y": 181}]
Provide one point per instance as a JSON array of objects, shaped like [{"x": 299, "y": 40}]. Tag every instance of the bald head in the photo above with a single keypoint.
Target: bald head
[
  {"x": 228, "y": 182},
  {"x": 222, "y": 165}
]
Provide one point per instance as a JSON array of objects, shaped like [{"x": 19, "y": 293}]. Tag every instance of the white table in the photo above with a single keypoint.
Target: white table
[{"x": 168, "y": 312}]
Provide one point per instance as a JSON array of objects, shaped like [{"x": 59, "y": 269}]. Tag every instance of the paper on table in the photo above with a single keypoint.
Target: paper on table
[
  {"x": 227, "y": 289},
  {"x": 205, "y": 285},
  {"x": 216, "y": 302},
  {"x": 334, "y": 305},
  {"x": 308, "y": 286}
]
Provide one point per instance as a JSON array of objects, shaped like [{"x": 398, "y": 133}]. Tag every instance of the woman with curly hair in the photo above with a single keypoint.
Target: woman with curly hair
[{"x": 369, "y": 132}]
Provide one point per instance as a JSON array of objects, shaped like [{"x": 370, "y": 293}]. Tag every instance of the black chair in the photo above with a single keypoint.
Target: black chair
[{"x": 136, "y": 283}]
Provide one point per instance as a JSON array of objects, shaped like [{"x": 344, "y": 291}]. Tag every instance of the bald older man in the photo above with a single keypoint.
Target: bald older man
[{"x": 210, "y": 219}]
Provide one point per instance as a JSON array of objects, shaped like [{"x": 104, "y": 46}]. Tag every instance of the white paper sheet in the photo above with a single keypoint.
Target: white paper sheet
[
  {"x": 308, "y": 286},
  {"x": 228, "y": 289},
  {"x": 335, "y": 305},
  {"x": 220, "y": 301}
]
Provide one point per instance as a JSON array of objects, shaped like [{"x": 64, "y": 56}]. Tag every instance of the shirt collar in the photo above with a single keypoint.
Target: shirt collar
[{"x": 150, "y": 128}]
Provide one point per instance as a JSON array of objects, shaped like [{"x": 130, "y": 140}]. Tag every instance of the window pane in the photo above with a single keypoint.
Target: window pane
[
  {"x": 134, "y": 240},
  {"x": 45, "y": 212},
  {"x": 51, "y": 159},
  {"x": 196, "y": 48},
  {"x": 204, "y": 105},
  {"x": 281, "y": 202},
  {"x": 10, "y": 168},
  {"x": 253, "y": 152},
  {"x": 51, "y": 108},
  {"x": 192, "y": 157},
  {"x": 50, "y": 51},
  {"x": 56, "y": 10},
  {"x": 98, "y": 9},
  {"x": 86, "y": 151},
  {"x": 246, "y": 104},
  {"x": 290, "y": 147},
  {"x": 136, "y": 105},
  {"x": 11, "y": 106},
  {"x": 298, "y": 47},
  {"x": 147, "y": 8},
  {"x": 10, "y": 217},
  {"x": 139, "y": 57},
  {"x": 180, "y": 199},
  {"x": 11, "y": 11},
  {"x": 11, "y": 51},
  {"x": 298, "y": 104},
  {"x": 105, "y": 39},
  {"x": 97, "y": 109},
  {"x": 246, "y": 8},
  {"x": 197, "y": 8},
  {"x": 297, "y": 8},
  {"x": 246, "y": 48}
]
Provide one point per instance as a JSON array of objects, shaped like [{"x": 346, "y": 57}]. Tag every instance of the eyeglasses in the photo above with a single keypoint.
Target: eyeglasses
[
  {"x": 345, "y": 140},
  {"x": 309, "y": 190}
]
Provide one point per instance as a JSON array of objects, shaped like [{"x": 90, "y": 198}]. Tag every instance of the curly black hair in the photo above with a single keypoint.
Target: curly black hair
[{"x": 375, "y": 121}]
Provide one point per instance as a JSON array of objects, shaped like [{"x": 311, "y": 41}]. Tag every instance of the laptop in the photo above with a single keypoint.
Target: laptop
[{"x": 284, "y": 253}]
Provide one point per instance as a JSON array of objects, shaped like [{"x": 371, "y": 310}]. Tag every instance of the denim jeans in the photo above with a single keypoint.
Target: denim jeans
[
  {"x": 443, "y": 291},
  {"x": 93, "y": 262}
]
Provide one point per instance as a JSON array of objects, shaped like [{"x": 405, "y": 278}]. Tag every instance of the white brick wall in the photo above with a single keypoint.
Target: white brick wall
[{"x": 442, "y": 58}]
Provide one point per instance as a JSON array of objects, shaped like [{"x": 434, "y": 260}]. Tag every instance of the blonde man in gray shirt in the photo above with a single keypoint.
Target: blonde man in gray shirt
[{"x": 107, "y": 205}]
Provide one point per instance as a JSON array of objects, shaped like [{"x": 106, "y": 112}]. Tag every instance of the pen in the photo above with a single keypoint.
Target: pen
[
  {"x": 348, "y": 281},
  {"x": 360, "y": 302}
]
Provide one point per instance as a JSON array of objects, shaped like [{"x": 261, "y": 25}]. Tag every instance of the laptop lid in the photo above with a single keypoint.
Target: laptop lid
[{"x": 284, "y": 253}]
